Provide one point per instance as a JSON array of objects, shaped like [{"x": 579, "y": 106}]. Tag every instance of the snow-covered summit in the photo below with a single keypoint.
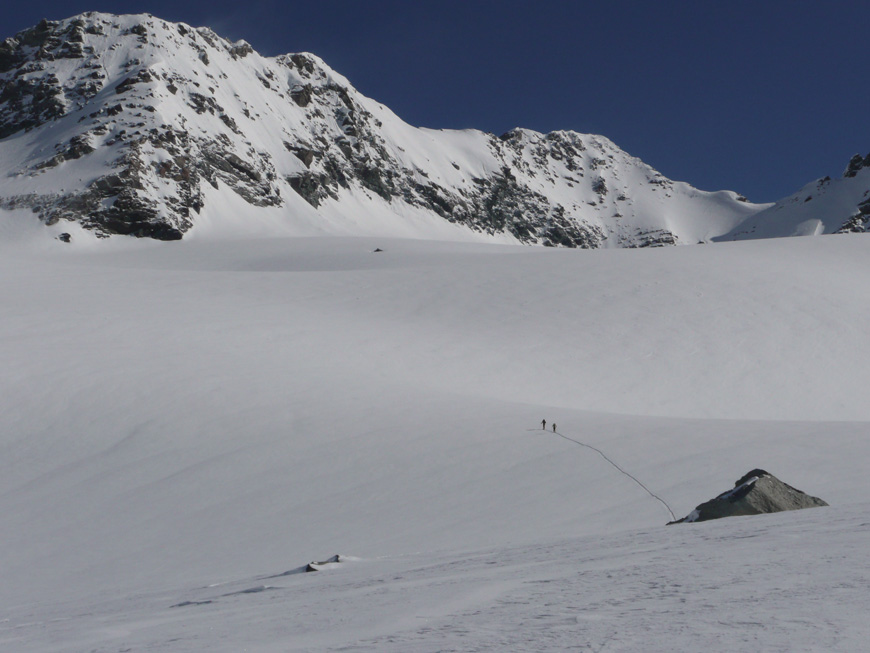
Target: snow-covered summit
[
  {"x": 824, "y": 206},
  {"x": 135, "y": 125}
]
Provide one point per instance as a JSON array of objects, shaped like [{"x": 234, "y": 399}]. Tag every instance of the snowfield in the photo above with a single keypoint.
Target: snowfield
[{"x": 183, "y": 423}]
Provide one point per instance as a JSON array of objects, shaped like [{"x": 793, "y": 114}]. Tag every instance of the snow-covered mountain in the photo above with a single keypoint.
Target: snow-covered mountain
[
  {"x": 822, "y": 207},
  {"x": 134, "y": 125}
]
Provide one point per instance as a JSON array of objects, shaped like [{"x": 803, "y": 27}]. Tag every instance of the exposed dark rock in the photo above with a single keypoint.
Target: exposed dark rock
[
  {"x": 301, "y": 95},
  {"x": 77, "y": 147},
  {"x": 317, "y": 566},
  {"x": 241, "y": 49},
  {"x": 38, "y": 36},
  {"x": 859, "y": 221},
  {"x": 600, "y": 186},
  {"x": 654, "y": 238},
  {"x": 10, "y": 55},
  {"x": 375, "y": 180},
  {"x": 857, "y": 224},
  {"x": 856, "y": 163},
  {"x": 342, "y": 93},
  {"x": 302, "y": 63},
  {"x": 435, "y": 197},
  {"x": 302, "y": 153},
  {"x": 563, "y": 232},
  {"x": 755, "y": 493},
  {"x": 229, "y": 122},
  {"x": 142, "y": 77},
  {"x": 313, "y": 187},
  {"x": 27, "y": 103},
  {"x": 185, "y": 604},
  {"x": 202, "y": 103}
]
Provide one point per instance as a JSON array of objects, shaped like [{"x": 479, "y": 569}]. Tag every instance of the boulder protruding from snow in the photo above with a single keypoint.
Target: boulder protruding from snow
[
  {"x": 317, "y": 566},
  {"x": 755, "y": 493}
]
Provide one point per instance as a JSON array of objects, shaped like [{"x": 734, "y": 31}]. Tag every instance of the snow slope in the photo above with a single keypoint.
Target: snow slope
[
  {"x": 822, "y": 207},
  {"x": 185, "y": 422}
]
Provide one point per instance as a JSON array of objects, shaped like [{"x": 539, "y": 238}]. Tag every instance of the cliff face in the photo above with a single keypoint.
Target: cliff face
[{"x": 134, "y": 125}]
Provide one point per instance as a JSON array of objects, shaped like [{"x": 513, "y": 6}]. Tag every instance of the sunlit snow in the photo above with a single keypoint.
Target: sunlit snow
[{"x": 184, "y": 423}]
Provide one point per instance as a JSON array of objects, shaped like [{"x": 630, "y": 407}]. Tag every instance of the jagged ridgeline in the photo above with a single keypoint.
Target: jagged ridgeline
[{"x": 134, "y": 125}]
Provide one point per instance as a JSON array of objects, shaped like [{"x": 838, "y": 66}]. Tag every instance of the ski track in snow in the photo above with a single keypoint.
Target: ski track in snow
[
  {"x": 621, "y": 471},
  {"x": 185, "y": 426}
]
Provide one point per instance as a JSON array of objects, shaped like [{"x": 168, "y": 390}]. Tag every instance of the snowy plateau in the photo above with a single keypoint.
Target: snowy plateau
[{"x": 185, "y": 425}]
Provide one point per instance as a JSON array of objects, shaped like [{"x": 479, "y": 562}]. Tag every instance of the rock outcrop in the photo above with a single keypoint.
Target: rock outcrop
[
  {"x": 755, "y": 493},
  {"x": 323, "y": 564}
]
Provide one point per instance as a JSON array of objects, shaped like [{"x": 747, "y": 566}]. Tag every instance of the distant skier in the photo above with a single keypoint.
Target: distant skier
[
  {"x": 554, "y": 427},
  {"x": 543, "y": 425}
]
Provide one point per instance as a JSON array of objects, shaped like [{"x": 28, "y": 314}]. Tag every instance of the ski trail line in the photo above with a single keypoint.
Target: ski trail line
[{"x": 603, "y": 455}]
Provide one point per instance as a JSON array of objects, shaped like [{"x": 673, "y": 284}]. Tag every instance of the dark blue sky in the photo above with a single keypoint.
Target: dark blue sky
[{"x": 757, "y": 96}]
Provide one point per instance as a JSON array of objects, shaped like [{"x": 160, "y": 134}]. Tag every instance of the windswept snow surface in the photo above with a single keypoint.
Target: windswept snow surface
[{"x": 183, "y": 423}]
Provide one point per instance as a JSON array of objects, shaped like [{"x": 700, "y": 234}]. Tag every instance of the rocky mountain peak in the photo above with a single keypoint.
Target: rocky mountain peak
[
  {"x": 856, "y": 163},
  {"x": 827, "y": 205},
  {"x": 135, "y": 125}
]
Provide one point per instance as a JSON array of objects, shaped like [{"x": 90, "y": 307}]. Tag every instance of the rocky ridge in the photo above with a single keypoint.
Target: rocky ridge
[
  {"x": 824, "y": 206},
  {"x": 134, "y": 125}
]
